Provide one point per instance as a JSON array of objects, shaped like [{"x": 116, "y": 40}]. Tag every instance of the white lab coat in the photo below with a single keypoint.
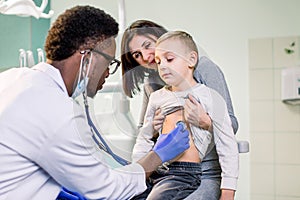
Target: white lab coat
[{"x": 46, "y": 143}]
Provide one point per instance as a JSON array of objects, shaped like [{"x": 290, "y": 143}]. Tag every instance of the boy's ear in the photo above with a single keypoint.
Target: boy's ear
[{"x": 193, "y": 58}]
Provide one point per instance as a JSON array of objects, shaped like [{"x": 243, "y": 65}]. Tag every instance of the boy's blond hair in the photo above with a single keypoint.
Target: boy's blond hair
[{"x": 182, "y": 36}]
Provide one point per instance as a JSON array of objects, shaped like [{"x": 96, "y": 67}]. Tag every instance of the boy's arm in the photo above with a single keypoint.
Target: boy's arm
[
  {"x": 227, "y": 194},
  {"x": 145, "y": 101},
  {"x": 143, "y": 141}
]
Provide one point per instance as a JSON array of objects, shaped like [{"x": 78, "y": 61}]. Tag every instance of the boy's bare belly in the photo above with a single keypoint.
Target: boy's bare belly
[{"x": 191, "y": 154}]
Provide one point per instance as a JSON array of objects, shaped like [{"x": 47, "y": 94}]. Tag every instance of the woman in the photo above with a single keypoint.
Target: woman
[{"x": 138, "y": 67}]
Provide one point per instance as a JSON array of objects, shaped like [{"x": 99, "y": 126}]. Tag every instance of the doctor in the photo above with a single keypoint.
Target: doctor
[{"x": 45, "y": 141}]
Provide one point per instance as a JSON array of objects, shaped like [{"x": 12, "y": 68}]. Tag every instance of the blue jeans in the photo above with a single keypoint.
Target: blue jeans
[
  {"x": 210, "y": 179},
  {"x": 175, "y": 181}
]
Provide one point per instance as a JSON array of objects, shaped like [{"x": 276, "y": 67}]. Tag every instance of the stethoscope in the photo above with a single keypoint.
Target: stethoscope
[{"x": 101, "y": 144}]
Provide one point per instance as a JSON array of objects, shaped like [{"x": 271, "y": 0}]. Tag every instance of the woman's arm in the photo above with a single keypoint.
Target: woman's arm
[{"x": 208, "y": 73}]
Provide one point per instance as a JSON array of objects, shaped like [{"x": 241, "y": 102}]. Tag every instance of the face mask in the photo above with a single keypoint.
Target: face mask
[
  {"x": 83, "y": 72},
  {"x": 80, "y": 88}
]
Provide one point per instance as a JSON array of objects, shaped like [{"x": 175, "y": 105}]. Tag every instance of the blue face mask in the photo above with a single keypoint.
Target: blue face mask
[
  {"x": 80, "y": 88},
  {"x": 83, "y": 72}
]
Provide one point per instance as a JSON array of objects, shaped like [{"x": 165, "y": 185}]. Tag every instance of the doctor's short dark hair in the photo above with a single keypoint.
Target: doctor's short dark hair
[{"x": 78, "y": 27}]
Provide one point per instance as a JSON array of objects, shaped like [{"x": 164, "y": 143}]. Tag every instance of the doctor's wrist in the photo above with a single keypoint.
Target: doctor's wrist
[{"x": 150, "y": 162}]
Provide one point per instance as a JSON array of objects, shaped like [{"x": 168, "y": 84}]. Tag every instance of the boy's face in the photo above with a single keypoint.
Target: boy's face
[{"x": 172, "y": 57}]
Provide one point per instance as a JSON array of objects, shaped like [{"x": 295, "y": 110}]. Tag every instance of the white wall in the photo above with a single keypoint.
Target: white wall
[{"x": 223, "y": 29}]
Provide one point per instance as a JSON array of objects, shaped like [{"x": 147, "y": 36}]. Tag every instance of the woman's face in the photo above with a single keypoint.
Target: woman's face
[{"x": 142, "y": 49}]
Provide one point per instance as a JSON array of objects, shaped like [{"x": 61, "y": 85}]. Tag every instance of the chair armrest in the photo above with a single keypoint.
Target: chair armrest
[{"x": 243, "y": 146}]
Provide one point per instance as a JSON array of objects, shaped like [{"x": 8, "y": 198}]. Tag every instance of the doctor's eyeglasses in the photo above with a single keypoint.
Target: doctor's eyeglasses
[{"x": 114, "y": 63}]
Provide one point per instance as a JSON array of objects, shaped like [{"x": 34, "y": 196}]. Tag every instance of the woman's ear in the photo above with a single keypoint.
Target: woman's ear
[{"x": 193, "y": 58}]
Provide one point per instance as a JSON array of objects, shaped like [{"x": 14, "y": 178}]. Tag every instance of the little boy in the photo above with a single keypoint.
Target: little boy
[{"x": 176, "y": 55}]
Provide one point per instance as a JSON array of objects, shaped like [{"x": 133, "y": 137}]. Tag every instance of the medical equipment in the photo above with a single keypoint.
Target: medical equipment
[
  {"x": 290, "y": 85},
  {"x": 83, "y": 78},
  {"x": 24, "y": 8},
  {"x": 41, "y": 57},
  {"x": 81, "y": 88},
  {"x": 103, "y": 145},
  {"x": 26, "y": 58},
  {"x": 30, "y": 59},
  {"x": 159, "y": 146},
  {"x": 22, "y": 58}
]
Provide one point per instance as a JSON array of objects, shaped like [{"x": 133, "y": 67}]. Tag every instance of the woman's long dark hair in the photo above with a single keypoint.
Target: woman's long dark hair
[{"x": 132, "y": 73}]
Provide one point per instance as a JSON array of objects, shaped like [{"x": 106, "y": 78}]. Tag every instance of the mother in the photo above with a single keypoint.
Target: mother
[{"x": 139, "y": 67}]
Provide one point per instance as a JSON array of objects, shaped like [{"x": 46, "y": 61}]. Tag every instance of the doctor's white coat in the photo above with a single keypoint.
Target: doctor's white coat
[{"x": 46, "y": 143}]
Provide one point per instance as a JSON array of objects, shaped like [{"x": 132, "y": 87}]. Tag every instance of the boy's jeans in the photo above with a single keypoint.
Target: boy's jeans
[
  {"x": 174, "y": 181},
  {"x": 210, "y": 179}
]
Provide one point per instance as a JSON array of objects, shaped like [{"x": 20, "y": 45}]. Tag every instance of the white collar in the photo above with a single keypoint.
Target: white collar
[{"x": 53, "y": 73}]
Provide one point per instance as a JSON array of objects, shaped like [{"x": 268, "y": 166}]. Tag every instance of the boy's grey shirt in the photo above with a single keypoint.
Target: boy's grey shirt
[{"x": 208, "y": 73}]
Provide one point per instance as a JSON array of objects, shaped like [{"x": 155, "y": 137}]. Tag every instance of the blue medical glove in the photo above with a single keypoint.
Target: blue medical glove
[
  {"x": 170, "y": 145},
  {"x": 66, "y": 194}
]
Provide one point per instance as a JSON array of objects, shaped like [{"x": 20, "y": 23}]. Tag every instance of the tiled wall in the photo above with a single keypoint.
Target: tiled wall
[{"x": 274, "y": 126}]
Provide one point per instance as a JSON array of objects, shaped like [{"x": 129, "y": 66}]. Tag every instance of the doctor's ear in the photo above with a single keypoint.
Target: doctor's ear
[
  {"x": 193, "y": 58},
  {"x": 86, "y": 60}
]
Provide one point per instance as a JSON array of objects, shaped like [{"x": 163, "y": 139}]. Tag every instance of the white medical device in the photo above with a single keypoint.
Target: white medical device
[{"x": 290, "y": 85}]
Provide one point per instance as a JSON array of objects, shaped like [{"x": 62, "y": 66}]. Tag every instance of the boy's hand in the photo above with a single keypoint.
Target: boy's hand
[{"x": 227, "y": 194}]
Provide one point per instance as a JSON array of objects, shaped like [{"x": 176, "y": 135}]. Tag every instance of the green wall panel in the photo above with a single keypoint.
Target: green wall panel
[{"x": 18, "y": 32}]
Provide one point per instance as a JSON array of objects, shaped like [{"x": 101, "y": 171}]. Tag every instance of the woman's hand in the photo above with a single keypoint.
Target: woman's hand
[
  {"x": 158, "y": 120},
  {"x": 196, "y": 115}
]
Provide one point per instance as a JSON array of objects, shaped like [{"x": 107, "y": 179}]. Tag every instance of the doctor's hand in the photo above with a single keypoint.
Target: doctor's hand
[
  {"x": 169, "y": 146},
  {"x": 158, "y": 120},
  {"x": 195, "y": 114}
]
